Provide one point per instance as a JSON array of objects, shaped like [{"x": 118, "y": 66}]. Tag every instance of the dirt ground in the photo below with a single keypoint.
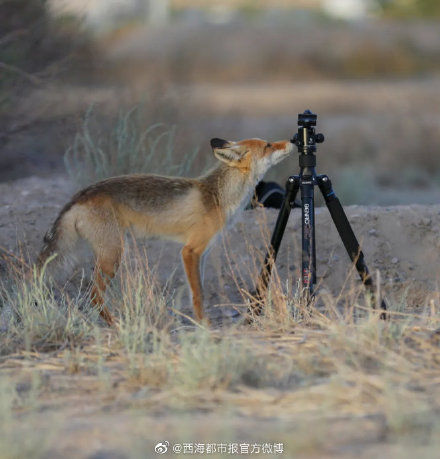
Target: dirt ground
[
  {"x": 88, "y": 415},
  {"x": 400, "y": 244},
  {"x": 106, "y": 415}
]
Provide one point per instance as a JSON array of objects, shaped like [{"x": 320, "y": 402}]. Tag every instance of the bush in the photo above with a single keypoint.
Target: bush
[
  {"x": 31, "y": 42},
  {"x": 410, "y": 8}
]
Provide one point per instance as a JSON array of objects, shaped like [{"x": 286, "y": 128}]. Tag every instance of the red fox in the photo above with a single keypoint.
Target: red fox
[{"x": 191, "y": 211}]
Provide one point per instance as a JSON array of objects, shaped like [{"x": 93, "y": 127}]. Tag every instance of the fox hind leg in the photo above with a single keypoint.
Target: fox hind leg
[
  {"x": 106, "y": 265},
  {"x": 102, "y": 231}
]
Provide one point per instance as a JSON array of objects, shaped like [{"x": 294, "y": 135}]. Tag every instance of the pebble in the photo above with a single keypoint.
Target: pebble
[
  {"x": 373, "y": 232},
  {"x": 394, "y": 260}
]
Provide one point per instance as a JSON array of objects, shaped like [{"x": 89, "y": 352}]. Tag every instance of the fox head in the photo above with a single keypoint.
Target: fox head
[{"x": 251, "y": 155}]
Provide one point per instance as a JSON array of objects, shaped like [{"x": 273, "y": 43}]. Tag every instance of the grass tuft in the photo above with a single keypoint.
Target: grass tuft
[
  {"x": 126, "y": 147},
  {"x": 38, "y": 316}
]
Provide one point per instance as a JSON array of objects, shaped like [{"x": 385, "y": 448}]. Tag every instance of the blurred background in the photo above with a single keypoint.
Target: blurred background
[{"x": 92, "y": 88}]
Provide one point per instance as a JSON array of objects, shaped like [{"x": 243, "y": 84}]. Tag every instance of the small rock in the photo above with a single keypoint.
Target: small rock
[
  {"x": 23, "y": 387},
  {"x": 394, "y": 260},
  {"x": 372, "y": 232}
]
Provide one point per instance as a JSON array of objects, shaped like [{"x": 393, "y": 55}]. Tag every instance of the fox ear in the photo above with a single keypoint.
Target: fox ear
[{"x": 228, "y": 152}]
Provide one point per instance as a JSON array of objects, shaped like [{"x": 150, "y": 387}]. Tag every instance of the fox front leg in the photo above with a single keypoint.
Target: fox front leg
[{"x": 191, "y": 262}]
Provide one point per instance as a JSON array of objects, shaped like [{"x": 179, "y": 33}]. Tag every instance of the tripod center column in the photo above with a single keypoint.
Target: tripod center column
[{"x": 308, "y": 232}]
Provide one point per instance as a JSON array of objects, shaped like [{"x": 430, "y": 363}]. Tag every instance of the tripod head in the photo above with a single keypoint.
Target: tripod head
[{"x": 306, "y": 140}]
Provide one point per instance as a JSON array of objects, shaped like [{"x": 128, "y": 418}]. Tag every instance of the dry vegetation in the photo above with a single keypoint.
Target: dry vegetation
[
  {"x": 330, "y": 381},
  {"x": 334, "y": 380},
  {"x": 374, "y": 85}
]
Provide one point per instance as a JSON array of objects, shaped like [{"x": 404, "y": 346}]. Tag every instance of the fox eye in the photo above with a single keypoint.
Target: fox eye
[{"x": 268, "y": 145}]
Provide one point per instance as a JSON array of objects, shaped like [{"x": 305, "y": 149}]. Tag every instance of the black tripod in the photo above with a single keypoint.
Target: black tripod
[{"x": 306, "y": 140}]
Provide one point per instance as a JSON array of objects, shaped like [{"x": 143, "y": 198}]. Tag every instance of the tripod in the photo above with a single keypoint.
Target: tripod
[{"x": 306, "y": 140}]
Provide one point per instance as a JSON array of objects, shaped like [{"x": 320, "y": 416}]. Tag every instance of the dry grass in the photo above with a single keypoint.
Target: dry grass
[
  {"x": 327, "y": 378},
  {"x": 132, "y": 147},
  {"x": 373, "y": 85}
]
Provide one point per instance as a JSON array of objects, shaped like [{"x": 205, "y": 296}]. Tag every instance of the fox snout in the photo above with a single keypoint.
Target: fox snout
[
  {"x": 281, "y": 150},
  {"x": 289, "y": 147}
]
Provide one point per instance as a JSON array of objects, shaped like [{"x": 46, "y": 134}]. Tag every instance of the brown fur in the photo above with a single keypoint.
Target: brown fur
[{"x": 190, "y": 211}]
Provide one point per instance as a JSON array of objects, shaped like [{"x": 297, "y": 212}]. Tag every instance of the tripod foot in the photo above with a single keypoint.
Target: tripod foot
[
  {"x": 384, "y": 315},
  {"x": 255, "y": 307}
]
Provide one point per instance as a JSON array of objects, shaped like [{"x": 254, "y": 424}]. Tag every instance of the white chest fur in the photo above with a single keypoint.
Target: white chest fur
[{"x": 237, "y": 195}]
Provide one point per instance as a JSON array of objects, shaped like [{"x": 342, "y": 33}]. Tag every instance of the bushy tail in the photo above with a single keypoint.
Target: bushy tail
[
  {"x": 60, "y": 237},
  {"x": 49, "y": 247}
]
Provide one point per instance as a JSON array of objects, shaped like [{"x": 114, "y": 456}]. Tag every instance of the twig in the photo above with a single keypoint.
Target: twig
[
  {"x": 12, "y": 68},
  {"x": 12, "y": 36},
  {"x": 197, "y": 324}
]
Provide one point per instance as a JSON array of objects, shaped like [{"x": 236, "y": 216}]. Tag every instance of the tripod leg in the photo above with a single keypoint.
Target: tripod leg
[
  {"x": 292, "y": 187},
  {"x": 314, "y": 248},
  {"x": 348, "y": 237}
]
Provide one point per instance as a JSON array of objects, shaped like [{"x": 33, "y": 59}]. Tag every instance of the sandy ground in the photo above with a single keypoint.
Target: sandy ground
[
  {"x": 82, "y": 418},
  {"x": 400, "y": 244}
]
